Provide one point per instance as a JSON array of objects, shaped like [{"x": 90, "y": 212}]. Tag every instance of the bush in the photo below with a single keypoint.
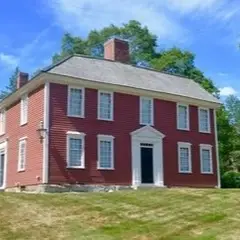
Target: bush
[{"x": 231, "y": 179}]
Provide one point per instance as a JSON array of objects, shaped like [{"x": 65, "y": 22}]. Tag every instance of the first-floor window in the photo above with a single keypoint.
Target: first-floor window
[
  {"x": 184, "y": 157},
  {"x": 75, "y": 148},
  {"x": 206, "y": 158},
  {"x": 22, "y": 154},
  {"x": 105, "y": 152}
]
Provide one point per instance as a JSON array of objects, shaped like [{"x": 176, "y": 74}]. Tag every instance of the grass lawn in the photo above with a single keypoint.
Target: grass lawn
[{"x": 144, "y": 214}]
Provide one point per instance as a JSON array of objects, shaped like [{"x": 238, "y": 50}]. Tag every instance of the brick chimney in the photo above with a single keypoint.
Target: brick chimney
[
  {"x": 117, "y": 50},
  {"x": 22, "y": 79}
]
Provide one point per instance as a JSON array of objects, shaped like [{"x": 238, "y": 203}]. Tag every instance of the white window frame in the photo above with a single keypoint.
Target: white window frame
[
  {"x": 110, "y": 139},
  {"x": 21, "y": 141},
  {"x": 152, "y": 111},
  {"x": 76, "y": 135},
  {"x": 188, "y": 119},
  {"x": 2, "y": 122},
  {"x": 206, "y": 147},
  {"x": 23, "y": 114},
  {"x": 112, "y": 105},
  {"x": 199, "y": 120},
  {"x": 82, "y": 115},
  {"x": 189, "y": 147}
]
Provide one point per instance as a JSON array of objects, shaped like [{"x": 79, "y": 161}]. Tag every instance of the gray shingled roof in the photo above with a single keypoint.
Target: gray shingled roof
[{"x": 104, "y": 71}]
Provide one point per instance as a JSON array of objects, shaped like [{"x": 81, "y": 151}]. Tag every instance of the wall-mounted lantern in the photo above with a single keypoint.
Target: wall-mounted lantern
[{"x": 41, "y": 131}]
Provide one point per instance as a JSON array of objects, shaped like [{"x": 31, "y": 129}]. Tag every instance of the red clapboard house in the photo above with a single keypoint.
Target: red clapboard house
[{"x": 87, "y": 123}]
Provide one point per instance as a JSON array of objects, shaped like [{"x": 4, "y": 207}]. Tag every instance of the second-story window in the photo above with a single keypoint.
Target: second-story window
[
  {"x": 2, "y": 122},
  {"x": 76, "y": 102},
  {"x": 182, "y": 117},
  {"x": 146, "y": 111},
  {"x": 24, "y": 110},
  {"x": 204, "y": 120},
  {"x": 105, "y": 105}
]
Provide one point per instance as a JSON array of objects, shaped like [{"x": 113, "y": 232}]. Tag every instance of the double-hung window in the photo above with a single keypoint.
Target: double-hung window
[
  {"x": 105, "y": 152},
  {"x": 24, "y": 110},
  {"x": 204, "y": 120},
  {"x": 184, "y": 157},
  {"x": 75, "y": 150},
  {"x": 22, "y": 146},
  {"x": 146, "y": 111},
  {"x": 206, "y": 159},
  {"x": 105, "y": 105},
  {"x": 2, "y": 122},
  {"x": 76, "y": 102},
  {"x": 182, "y": 117}
]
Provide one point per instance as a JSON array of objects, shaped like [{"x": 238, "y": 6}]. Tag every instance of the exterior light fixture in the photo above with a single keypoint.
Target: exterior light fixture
[{"x": 41, "y": 131}]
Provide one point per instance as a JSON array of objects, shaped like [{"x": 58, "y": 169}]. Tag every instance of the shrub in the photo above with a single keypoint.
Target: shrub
[{"x": 231, "y": 179}]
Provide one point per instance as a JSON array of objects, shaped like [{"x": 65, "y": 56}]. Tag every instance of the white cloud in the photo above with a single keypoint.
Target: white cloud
[
  {"x": 165, "y": 18},
  {"x": 9, "y": 60},
  {"x": 226, "y": 91}
]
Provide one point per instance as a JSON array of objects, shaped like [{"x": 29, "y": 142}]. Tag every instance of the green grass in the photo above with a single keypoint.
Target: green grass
[{"x": 176, "y": 214}]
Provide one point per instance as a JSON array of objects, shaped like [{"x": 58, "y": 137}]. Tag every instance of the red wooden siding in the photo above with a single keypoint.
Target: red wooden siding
[
  {"x": 34, "y": 150},
  {"x": 126, "y": 120}
]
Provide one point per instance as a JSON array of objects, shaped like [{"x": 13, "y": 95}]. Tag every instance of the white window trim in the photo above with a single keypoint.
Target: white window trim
[
  {"x": 112, "y": 101},
  {"x": 199, "y": 123},
  {"x": 206, "y": 147},
  {"x": 83, "y": 102},
  {"x": 3, "y": 112},
  {"x": 105, "y": 138},
  {"x": 152, "y": 111},
  {"x": 22, "y": 118},
  {"x": 77, "y": 135},
  {"x": 189, "y": 147},
  {"x": 23, "y": 139},
  {"x": 188, "y": 120}
]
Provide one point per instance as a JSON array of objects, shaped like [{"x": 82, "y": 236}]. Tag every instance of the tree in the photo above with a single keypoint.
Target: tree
[
  {"x": 233, "y": 108},
  {"x": 142, "y": 42},
  {"x": 176, "y": 61},
  {"x": 12, "y": 86}
]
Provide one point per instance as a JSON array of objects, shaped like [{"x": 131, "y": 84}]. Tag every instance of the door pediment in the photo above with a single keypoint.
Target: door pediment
[{"x": 147, "y": 132}]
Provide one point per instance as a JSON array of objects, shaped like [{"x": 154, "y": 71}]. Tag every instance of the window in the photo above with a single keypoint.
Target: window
[
  {"x": 105, "y": 105},
  {"x": 22, "y": 154},
  {"x": 206, "y": 158},
  {"x": 75, "y": 150},
  {"x": 146, "y": 111},
  {"x": 75, "y": 102},
  {"x": 24, "y": 110},
  {"x": 2, "y": 122},
  {"x": 204, "y": 120},
  {"x": 105, "y": 152},
  {"x": 184, "y": 157},
  {"x": 182, "y": 117}
]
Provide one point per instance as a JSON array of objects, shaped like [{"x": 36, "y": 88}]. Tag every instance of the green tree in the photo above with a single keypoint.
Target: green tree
[
  {"x": 176, "y": 61},
  {"x": 142, "y": 42},
  {"x": 12, "y": 86},
  {"x": 233, "y": 108}
]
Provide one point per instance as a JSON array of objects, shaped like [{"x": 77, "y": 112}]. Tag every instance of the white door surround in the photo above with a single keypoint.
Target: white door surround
[
  {"x": 3, "y": 163},
  {"x": 147, "y": 135}
]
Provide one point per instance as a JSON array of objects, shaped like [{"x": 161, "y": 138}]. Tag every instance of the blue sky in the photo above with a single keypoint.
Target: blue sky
[{"x": 31, "y": 31}]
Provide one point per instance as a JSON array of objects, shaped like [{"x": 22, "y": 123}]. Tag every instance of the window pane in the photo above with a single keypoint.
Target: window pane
[
  {"x": 105, "y": 154},
  {"x": 105, "y": 105},
  {"x": 146, "y": 111},
  {"x": 206, "y": 161},
  {"x": 75, "y": 102},
  {"x": 184, "y": 159},
  {"x": 75, "y": 152},
  {"x": 182, "y": 117},
  {"x": 22, "y": 155},
  {"x": 204, "y": 121}
]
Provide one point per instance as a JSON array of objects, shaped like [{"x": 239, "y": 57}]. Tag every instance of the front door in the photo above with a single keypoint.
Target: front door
[
  {"x": 2, "y": 161},
  {"x": 147, "y": 164}
]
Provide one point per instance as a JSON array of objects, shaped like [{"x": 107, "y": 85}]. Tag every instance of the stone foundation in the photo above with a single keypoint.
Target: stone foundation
[{"x": 55, "y": 188}]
